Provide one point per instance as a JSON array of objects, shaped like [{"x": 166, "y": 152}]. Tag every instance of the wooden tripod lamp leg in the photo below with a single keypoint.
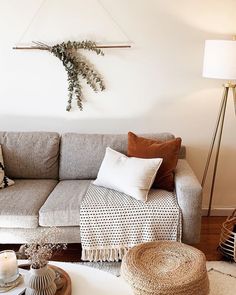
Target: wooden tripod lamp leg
[
  {"x": 226, "y": 91},
  {"x": 213, "y": 140},
  {"x": 218, "y": 131},
  {"x": 234, "y": 98}
]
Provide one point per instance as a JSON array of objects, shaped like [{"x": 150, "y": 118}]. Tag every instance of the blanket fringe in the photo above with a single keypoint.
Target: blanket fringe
[{"x": 111, "y": 254}]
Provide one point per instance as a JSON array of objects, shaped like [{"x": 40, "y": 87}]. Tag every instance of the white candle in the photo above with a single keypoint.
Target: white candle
[{"x": 8, "y": 266}]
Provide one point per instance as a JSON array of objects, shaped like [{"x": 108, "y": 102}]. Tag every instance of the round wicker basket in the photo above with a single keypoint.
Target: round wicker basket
[
  {"x": 227, "y": 245},
  {"x": 165, "y": 268}
]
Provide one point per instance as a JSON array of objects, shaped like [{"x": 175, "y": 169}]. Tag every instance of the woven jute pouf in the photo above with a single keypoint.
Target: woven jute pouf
[{"x": 165, "y": 268}]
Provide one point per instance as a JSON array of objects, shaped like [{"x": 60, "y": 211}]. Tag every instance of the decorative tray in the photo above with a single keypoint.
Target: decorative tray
[{"x": 62, "y": 281}]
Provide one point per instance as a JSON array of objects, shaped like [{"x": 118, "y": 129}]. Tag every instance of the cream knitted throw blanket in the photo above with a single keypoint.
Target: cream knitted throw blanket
[{"x": 112, "y": 222}]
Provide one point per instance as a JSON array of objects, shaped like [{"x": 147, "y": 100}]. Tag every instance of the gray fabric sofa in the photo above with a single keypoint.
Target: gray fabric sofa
[{"x": 52, "y": 174}]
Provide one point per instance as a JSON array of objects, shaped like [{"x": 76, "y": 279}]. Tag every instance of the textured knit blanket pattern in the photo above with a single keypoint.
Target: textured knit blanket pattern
[{"x": 112, "y": 222}]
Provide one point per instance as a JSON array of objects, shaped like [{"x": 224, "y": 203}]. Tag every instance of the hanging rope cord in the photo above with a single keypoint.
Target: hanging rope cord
[
  {"x": 98, "y": 1},
  {"x": 115, "y": 22},
  {"x": 31, "y": 21}
]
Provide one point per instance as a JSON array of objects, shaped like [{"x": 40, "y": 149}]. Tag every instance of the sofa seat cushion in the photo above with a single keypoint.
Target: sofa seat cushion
[
  {"x": 62, "y": 207},
  {"x": 21, "y": 202}
]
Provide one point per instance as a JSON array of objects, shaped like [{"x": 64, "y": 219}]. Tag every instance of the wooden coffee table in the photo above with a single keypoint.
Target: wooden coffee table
[{"x": 90, "y": 281}]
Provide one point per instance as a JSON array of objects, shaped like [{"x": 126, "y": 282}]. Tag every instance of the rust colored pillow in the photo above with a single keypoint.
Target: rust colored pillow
[{"x": 141, "y": 147}]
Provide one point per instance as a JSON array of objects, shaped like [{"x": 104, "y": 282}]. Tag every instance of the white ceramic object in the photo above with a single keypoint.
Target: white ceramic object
[
  {"x": 8, "y": 267},
  {"x": 40, "y": 281}
]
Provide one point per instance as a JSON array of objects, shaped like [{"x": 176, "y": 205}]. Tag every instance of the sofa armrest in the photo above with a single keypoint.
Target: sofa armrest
[{"x": 189, "y": 195}]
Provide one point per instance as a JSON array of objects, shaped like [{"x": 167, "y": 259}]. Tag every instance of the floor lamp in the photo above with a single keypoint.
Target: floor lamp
[{"x": 219, "y": 63}]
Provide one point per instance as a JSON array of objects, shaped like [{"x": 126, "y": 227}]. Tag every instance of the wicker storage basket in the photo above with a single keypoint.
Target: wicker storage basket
[{"x": 227, "y": 245}]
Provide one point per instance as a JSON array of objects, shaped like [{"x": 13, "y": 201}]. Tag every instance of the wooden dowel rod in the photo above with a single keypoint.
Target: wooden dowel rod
[
  {"x": 45, "y": 48},
  {"x": 113, "y": 46},
  {"x": 30, "y": 47}
]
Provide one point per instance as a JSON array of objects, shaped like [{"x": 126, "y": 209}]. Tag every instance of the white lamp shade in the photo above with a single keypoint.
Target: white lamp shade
[{"x": 220, "y": 59}]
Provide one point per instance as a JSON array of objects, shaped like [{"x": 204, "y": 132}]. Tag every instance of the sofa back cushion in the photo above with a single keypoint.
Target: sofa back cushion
[
  {"x": 81, "y": 154},
  {"x": 30, "y": 154}
]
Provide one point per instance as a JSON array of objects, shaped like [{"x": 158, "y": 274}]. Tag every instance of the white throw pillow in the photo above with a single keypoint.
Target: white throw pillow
[
  {"x": 4, "y": 180},
  {"x": 132, "y": 176}
]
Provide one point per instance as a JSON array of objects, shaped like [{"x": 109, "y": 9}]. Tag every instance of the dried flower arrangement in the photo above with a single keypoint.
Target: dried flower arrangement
[
  {"x": 41, "y": 248},
  {"x": 76, "y": 66}
]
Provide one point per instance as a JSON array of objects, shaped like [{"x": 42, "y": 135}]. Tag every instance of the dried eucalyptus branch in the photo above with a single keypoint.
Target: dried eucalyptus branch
[{"x": 76, "y": 66}]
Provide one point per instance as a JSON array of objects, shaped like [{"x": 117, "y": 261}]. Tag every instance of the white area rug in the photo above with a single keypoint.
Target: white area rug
[
  {"x": 222, "y": 275},
  {"x": 111, "y": 267}
]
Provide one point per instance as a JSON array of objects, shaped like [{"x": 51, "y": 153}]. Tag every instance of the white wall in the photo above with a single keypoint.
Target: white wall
[{"x": 154, "y": 86}]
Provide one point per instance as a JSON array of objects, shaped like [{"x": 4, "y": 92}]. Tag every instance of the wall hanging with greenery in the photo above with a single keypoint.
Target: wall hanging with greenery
[{"x": 76, "y": 65}]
